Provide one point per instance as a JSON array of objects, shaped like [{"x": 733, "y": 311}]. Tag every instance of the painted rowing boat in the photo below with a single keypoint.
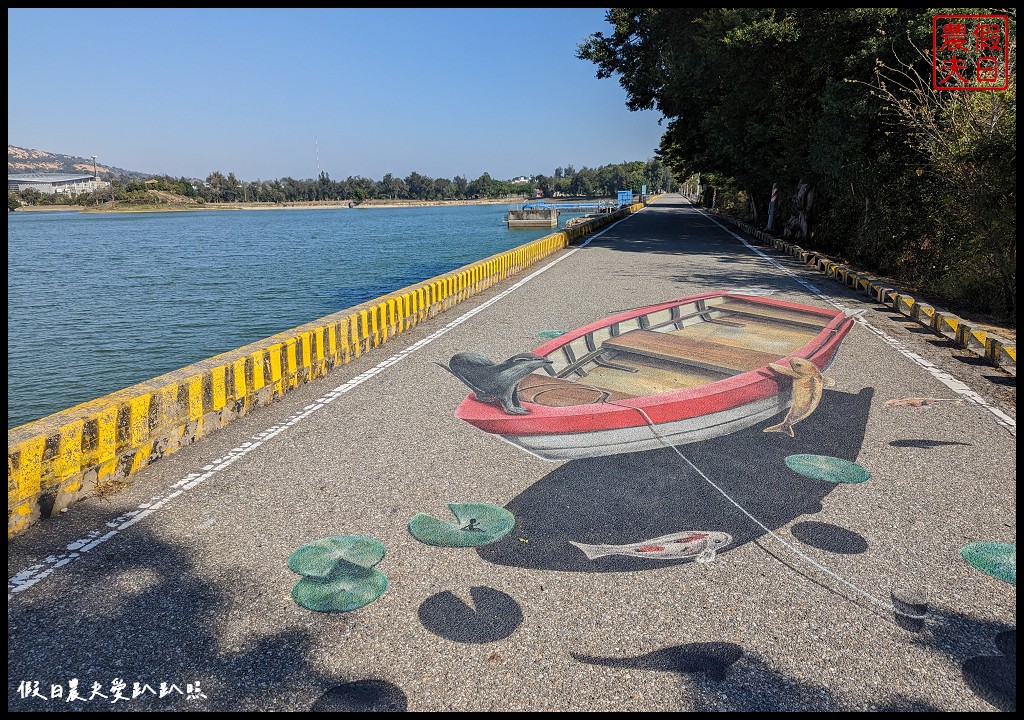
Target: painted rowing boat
[{"x": 677, "y": 372}]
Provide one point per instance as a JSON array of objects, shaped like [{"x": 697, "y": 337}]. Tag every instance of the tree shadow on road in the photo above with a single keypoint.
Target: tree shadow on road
[{"x": 146, "y": 616}]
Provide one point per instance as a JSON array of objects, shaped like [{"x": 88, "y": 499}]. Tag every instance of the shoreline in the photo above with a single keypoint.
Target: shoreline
[{"x": 315, "y": 205}]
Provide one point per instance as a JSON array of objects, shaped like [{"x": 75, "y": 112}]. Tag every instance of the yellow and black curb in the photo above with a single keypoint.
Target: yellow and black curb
[
  {"x": 94, "y": 448},
  {"x": 996, "y": 351}
]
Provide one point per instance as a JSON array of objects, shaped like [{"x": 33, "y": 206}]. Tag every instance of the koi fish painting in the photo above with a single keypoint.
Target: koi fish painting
[
  {"x": 808, "y": 384},
  {"x": 699, "y": 545},
  {"x": 920, "y": 402}
]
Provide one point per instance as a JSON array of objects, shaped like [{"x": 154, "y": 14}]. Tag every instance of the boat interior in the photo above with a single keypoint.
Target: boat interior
[{"x": 683, "y": 346}]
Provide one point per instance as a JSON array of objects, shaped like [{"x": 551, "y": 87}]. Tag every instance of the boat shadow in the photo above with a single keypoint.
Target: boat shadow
[{"x": 635, "y": 497}]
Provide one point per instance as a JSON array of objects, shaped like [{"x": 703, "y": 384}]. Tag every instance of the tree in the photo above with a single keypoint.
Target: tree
[
  {"x": 756, "y": 97},
  {"x": 324, "y": 187},
  {"x": 965, "y": 143},
  {"x": 443, "y": 189},
  {"x": 481, "y": 187},
  {"x": 30, "y": 196},
  {"x": 216, "y": 186},
  {"x": 419, "y": 186}
]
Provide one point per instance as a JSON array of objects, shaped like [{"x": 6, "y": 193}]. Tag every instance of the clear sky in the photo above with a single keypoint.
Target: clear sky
[{"x": 275, "y": 93}]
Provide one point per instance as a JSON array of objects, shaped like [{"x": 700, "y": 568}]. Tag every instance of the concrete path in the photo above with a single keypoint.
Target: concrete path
[{"x": 179, "y": 589}]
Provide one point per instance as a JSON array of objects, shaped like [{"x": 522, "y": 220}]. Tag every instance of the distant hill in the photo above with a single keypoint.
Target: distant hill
[{"x": 22, "y": 160}]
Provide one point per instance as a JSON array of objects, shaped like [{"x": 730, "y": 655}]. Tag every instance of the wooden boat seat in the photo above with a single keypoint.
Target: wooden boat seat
[
  {"x": 771, "y": 312},
  {"x": 698, "y": 353},
  {"x": 558, "y": 392}
]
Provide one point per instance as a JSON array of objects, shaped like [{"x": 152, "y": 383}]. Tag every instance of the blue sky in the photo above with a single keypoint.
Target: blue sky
[{"x": 275, "y": 93}]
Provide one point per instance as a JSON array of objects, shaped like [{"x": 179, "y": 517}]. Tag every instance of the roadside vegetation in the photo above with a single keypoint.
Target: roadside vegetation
[{"x": 836, "y": 108}]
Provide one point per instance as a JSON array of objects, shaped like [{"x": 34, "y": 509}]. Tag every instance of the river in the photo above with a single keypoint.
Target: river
[{"x": 98, "y": 302}]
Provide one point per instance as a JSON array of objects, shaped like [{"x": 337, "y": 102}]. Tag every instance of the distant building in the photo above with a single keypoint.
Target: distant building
[{"x": 55, "y": 183}]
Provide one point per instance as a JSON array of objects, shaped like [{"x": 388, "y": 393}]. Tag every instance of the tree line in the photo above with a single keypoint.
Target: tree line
[
  {"x": 841, "y": 110},
  {"x": 604, "y": 181}
]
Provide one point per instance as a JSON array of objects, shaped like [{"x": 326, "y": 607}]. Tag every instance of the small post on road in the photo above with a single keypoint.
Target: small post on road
[{"x": 771, "y": 207}]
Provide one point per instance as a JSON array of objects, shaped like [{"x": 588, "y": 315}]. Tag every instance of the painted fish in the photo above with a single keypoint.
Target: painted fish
[
  {"x": 700, "y": 545},
  {"x": 920, "y": 401},
  {"x": 808, "y": 383}
]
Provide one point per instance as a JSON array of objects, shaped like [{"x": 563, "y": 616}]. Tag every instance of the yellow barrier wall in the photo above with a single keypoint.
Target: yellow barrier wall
[
  {"x": 995, "y": 350},
  {"x": 94, "y": 448}
]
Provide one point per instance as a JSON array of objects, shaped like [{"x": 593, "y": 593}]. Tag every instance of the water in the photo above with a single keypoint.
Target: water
[{"x": 99, "y": 302}]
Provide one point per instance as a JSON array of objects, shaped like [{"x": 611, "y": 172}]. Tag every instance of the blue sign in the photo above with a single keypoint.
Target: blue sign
[{"x": 625, "y": 197}]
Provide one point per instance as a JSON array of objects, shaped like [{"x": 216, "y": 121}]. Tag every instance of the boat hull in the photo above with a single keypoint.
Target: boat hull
[
  {"x": 616, "y": 424},
  {"x": 637, "y": 438}
]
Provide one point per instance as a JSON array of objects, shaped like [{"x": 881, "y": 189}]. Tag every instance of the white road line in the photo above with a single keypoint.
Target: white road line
[
  {"x": 943, "y": 377},
  {"x": 33, "y": 574}
]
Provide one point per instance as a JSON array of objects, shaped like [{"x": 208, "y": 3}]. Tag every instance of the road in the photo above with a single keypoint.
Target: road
[{"x": 179, "y": 588}]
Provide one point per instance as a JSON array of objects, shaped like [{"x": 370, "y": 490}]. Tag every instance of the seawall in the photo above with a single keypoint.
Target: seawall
[{"x": 96, "y": 447}]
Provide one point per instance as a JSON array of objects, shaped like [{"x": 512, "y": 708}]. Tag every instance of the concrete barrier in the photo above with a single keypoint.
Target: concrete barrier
[
  {"x": 533, "y": 218},
  {"x": 96, "y": 447},
  {"x": 995, "y": 350}
]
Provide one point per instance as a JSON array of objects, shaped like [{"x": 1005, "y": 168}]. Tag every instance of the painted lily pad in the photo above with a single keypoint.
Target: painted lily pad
[
  {"x": 321, "y": 558},
  {"x": 827, "y": 468},
  {"x": 476, "y": 524},
  {"x": 338, "y": 573},
  {"x": 996, "y": 559}
]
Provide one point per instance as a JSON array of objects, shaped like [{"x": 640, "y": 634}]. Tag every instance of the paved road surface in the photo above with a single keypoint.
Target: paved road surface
[{"x": 181, "y": 584}]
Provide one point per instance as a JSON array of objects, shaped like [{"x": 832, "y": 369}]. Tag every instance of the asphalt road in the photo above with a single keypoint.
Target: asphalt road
[{"x": 179, "y": 587}]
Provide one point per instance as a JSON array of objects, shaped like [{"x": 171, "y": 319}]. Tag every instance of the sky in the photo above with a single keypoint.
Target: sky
[{"x": 273, "y": 93}]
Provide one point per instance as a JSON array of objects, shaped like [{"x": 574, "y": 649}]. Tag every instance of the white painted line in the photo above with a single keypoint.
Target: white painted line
[
  {"x": 943, "y": 377},
  {"x": 30, "y": 576}
]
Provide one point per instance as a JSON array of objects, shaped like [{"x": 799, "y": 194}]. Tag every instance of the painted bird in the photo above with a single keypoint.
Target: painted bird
[{"x": 495, "y": 382}]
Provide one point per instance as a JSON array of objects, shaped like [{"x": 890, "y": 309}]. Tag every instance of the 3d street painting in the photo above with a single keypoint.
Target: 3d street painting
[
  {"x": 994, "y": 677},
  {"x": 996, "y": 559},
  {"x": 725, "y": 377},
  {"x": 643, "y": 497},
  {"x": 698, "y": 545},
  {"x": 362, "y": 696},
  {"x": 475, "y": 524},
  {"x": 672, "y": 373},
  {"x": 338, "y": 573},
  {"x": 618, "y": 397},
  {"x": 712, "y": 659}
]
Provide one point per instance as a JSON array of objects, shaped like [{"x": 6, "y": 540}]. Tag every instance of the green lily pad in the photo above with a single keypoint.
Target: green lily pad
[
  {"x": 827, "y": 468},
  {"x": 341, "y": 593},
  {"x": 322, "y": 558},
  {"x": 338, "y": 573},
  {"x": 476, "y": 524},
  {"x": 996, "y": 559}
]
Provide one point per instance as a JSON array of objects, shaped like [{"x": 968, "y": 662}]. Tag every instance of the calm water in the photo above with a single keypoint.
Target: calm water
[{"x": 99, "y": 302}]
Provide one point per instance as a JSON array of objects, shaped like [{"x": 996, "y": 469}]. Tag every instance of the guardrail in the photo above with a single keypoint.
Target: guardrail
[
  {"x": 96, "y": 447},
  {"x": 996, "y": 351}
]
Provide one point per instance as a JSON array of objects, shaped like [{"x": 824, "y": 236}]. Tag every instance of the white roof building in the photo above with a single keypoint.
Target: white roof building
[{"x": 55, "y": 183}]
